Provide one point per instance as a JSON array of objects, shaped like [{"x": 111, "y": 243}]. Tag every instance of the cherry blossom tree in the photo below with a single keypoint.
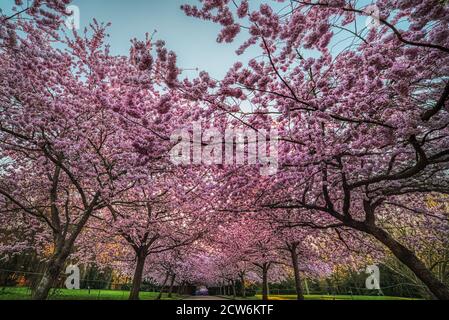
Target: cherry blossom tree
[
  {"x": 70, "y": 115},
  {"x": 59, "y": 147},
  {"x": 314, "y": 251},
  {"x": 146, "y": 221},
  {"x": 360, "y": 110},
  {"x": 245, "y": 246}
]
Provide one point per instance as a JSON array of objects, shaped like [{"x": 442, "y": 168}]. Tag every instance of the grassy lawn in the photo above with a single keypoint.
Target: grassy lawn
[
  {"x": 64, "y": 294},
  {"x": 337, "y": 297},
  {"x": 325, "y": 297}
]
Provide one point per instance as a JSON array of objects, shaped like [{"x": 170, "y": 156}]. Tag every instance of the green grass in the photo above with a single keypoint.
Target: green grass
[
  {"x": 64, "y": 294},
  {"x": 337, "y": 297},
  {"x": 324, "y": 297}
]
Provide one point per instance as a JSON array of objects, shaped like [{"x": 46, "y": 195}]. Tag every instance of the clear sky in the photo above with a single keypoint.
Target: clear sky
[{"x": 193, "y": 40}]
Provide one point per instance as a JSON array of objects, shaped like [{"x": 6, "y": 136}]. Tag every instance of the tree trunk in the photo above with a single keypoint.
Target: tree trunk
[
  {"x": 242, "y": 279},
  {"x": 408, "y": 258},
  {"x": 234, "y": 292},
  {"x": 298, "y": 284},
  {"x": 159, "y": 297},
  {"x": 138, "y": 274},
  {"x": 181, "y": 288},
  {"x": 56, "y": 264},
  {"x": 51, "y": 274},
  {"x": 172, "y": 283},
  {"x": 265, "y": 290}
]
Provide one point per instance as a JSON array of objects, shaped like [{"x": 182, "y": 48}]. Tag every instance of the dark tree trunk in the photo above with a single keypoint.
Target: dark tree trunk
[
  {"x": 242, "y": 280},
  {"x": 181, "y": 288},
  {"x": 172, "y": 283},
  {"x": 56, "y": 264},
  {"x": 138, "y": 274},
  {"x": 408, "y": 258},
  {"x": 159, "y": 297},
  {"x": 265, "y": 290},
  {"x": 234, "y": 292},
  {"x": 51, "y": 274},
  {"x": 298, "y": 285}
]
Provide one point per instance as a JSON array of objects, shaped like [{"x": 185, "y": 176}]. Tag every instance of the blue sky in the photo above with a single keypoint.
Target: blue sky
[{"x": 193, "y": 40}]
